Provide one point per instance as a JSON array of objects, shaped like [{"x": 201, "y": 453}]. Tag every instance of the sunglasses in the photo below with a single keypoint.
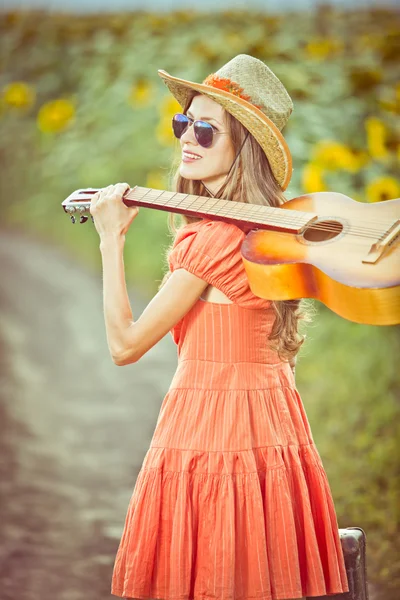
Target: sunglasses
[{"x": 203, "y": 132}]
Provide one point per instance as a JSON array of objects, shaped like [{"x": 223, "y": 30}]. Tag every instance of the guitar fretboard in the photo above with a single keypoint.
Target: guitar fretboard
[{"x": 189, "y": 204}]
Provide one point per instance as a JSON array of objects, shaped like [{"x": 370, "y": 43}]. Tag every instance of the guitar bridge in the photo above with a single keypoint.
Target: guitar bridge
[{"x": 379, "y": 248}]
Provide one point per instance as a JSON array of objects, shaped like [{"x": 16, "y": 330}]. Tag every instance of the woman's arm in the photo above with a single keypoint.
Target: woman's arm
[
  {"x": 117, "y": 309},
  {"x": 129, "y": 340}
]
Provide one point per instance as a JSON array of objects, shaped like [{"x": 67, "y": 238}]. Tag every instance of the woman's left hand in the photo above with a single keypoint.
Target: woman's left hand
[{"x": 110, "y": 214}]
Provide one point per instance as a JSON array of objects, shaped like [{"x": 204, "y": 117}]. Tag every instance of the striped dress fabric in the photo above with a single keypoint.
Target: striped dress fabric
[{"x": 232, "y": 501}]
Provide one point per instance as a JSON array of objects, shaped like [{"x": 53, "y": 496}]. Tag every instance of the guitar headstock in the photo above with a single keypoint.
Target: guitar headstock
[{"x": 79, "y": 202}]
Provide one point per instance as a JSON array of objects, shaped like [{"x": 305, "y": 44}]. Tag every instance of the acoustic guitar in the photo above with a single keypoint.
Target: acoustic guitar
[{"x": 324, "y": 245}]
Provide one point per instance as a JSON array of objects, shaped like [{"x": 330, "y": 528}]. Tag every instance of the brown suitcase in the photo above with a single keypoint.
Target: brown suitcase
[{"x": 353, "y": 542}]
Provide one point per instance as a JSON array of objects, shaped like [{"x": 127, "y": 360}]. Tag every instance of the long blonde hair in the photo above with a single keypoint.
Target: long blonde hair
[{"x": 254, "y": 184}]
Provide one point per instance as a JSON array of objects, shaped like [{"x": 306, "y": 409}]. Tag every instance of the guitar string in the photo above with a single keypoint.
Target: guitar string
[
  {"x": 288, "y": 219},
  {"x": 318, "y": 226},
  {"x": 360, "y": 232},
  {"x": 226, "y": 203},
  {"x": 355, "y": 232}
]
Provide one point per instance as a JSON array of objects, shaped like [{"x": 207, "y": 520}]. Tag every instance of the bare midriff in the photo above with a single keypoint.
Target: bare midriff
[{"x": 213, "y": 294}]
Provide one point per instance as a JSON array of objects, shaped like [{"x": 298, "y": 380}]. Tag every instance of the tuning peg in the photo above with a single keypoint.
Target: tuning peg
[
  {"x": 72, "y": 218},
  {"x": 83, "y": 219}
]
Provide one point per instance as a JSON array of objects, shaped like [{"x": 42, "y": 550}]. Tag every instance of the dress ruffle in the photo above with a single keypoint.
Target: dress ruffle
[
  {"x": 235, "y": 521},
  {"x": 257, "y": 523}
]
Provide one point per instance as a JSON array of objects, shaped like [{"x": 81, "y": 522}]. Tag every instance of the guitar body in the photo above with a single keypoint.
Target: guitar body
[{"x": 325, "y": 262}]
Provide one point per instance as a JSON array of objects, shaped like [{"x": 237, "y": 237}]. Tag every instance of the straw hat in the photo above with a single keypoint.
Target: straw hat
[{"x": 251, "y": 92}]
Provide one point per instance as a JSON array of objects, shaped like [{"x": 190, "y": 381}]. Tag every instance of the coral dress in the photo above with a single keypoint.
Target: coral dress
[{"x": 232, "y": 501}]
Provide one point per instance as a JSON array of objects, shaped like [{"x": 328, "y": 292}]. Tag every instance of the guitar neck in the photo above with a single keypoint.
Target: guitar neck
[{"x": 241, "y": 214}]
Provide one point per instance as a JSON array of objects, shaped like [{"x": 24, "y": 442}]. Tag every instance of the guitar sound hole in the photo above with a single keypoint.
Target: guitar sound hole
[{"x": 322, "y": 231}]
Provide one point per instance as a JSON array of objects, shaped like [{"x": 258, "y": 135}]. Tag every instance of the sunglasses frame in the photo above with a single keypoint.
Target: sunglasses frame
[{"x": 194, "y": 122}]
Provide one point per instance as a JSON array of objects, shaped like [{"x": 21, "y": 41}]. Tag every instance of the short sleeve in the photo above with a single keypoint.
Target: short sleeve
[{"x": 211, "y": 250}]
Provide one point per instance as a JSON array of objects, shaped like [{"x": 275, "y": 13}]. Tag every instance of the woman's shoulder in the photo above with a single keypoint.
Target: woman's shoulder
[
  {"x": 208, "y": 225},
  {"x": 210, "y": 239},
  {"x": 211, "y": 249}
]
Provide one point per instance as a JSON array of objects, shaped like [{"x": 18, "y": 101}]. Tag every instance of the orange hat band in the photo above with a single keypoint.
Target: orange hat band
[{"x": 223, "y": 83}]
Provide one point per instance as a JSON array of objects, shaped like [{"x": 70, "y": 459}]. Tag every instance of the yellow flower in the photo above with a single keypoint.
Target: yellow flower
[
  {"x": 383, "y": 188},
  {"x": 334, "y": 155},
  {"x": 55, "y": 116},
  {"x": 155, "y": 180},
  {"x": 168, "y": 107},
  {"x": 376, "y": 137},
  {"x": 360, "y": 158},
  {"x": 321, "y": 47},
  {"x": 311, "y": 179},
  {"x": 164, "y": 133},
  {"x": 19, "y": 95},
  {"x": 141, "y": 93}
]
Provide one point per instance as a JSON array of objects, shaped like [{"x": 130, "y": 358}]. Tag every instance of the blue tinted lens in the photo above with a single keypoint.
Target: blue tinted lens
[
  {"x": 179, "y": 124},
  {"x": 203, "y": 131}
]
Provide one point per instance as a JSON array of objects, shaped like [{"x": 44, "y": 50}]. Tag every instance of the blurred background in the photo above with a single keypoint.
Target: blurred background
[{"x": 81, "y": 105}]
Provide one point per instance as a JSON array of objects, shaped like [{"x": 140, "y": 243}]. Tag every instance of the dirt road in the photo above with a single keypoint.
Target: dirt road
[{"x": 74, "y": 427}]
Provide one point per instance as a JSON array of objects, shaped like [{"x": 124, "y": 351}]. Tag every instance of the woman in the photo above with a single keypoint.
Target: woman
[{"x": 232, "y": 501}]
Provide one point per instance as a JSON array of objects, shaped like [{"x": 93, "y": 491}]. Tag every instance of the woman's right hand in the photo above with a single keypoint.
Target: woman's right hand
[{"x": 110, "y": 213}]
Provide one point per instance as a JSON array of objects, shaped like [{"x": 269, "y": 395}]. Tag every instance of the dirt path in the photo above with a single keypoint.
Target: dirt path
[{"x": 74, "y": 427}]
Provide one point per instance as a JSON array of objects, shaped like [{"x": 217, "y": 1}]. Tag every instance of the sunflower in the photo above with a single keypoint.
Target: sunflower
[
  {"x": 168, "y": 107},
  {"x": 331, "y": 156},
  {"x": 383, "y": 188},
  {"x": 376, "y": 138},
  {"x": 56, "y": 115},
  {"x": 141, "y": 92},
  {"x": 311, "y": 179},
  {"x": 155, "y": 179},
  {"x": 320, "y": 48},
  {"x": 18, "y": 94}
]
